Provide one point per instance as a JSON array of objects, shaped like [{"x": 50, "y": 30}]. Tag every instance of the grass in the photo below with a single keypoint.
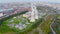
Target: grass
[
  {"x": 4, "y": 29},
  {"x": 45, "y": 26},
  {"x": 58, "y": 25},
  {"x": 36, "y": 32},
  {"x": 16, "y": 21},
  {"x": 58, "y": 29}
]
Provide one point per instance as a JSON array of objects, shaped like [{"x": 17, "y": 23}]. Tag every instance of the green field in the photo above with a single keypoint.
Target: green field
[
  {"x": 58, "y": 24},
  {"x": 45, "y": 26}
]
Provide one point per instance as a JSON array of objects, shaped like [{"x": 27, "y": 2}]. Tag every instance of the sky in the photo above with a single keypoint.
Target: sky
[{"x": 8, "y": 1}]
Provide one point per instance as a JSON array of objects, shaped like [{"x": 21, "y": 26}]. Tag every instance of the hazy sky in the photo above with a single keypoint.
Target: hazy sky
[{"x": 7, "y": 1}]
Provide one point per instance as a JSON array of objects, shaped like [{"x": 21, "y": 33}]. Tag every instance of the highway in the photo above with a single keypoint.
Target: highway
[{"x": 51, "y": 26}]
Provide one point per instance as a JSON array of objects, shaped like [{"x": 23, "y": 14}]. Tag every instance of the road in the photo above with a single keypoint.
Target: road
[{"x": 52, "y": 27}]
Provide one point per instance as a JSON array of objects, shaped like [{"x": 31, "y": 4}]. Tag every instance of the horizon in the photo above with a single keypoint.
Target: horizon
[{"x": 25, "y": 1}]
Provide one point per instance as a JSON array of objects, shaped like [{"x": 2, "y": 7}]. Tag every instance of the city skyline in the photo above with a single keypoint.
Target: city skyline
[{"x": 9, "y": 1}]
